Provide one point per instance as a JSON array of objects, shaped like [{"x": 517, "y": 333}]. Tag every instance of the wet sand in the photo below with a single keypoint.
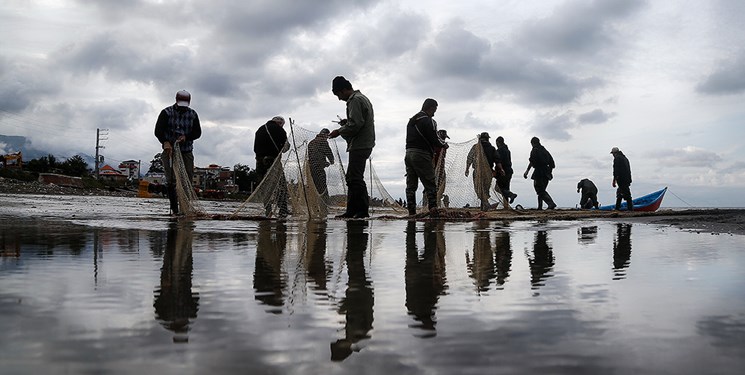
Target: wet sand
[{"x": 722, "y": 221}]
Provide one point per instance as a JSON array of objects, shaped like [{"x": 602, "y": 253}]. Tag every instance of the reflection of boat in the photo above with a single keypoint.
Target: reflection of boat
[{"x": 650, "y": 202}]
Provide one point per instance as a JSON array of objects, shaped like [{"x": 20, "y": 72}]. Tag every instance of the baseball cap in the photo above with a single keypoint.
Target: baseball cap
[
  {"x": 443, "y": 133},
  {"x": 614, "y": 150},
  {"x": 484, "y": 135},
  {"x": 183, "y": 98},
  {"x": 324, "y": 131}
]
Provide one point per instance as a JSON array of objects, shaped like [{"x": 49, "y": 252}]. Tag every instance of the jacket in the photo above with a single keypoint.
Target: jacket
[{"x": 359, "y": 130}]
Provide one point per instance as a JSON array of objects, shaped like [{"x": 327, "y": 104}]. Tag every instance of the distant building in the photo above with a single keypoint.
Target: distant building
[
  {"x": 108, "y": 173},
  {"x": 214, "y": 177},
  {"x": 130, "y": 168}
]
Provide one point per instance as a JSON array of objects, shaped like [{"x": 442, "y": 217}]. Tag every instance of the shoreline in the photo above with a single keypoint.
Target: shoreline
[{"x": 708, "y": 220}]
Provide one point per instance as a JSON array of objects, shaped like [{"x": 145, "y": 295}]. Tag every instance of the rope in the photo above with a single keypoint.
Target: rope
[{"x": 681, "y": 199}]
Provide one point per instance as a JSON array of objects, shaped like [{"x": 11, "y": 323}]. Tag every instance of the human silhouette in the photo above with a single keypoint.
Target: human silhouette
[
  {"x": 357, "y": 304},
  {"x": 424, "y": 275},
  {"x": 269, "y": 281},
  {"x": 621, "y": 250},
  {"x": 175, "y": 304},
  {"x": 542, "y": 261}
]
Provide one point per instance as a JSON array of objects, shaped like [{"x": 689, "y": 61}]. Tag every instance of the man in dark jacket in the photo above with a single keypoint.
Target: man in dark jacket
[
  {"x": 483, "y": 173},
  {"x": 589, "y": 197},
  {"x": 358, "y": 129},
  {"x": 503, "y": 182},
  {"x": 421, "y": 144},
  {"x": 543, "y": 162},
  {"x": 177, "y": 124},
  {"x": 622, "y": 178},
  {"x": 270, "y": 141}
]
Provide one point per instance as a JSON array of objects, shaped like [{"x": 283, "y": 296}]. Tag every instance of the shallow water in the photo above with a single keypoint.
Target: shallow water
[{"x": 141, "y": 293}]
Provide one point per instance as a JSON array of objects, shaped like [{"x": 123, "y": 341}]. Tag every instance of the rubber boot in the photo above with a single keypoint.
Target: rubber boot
[
  {"x": 630, "y": 204},
  {"x": 549, "y": 201},
  {"x": 412, "y": 209},
  {"x": 540, "y": 203},
  {"x": 618, "y": 203}
]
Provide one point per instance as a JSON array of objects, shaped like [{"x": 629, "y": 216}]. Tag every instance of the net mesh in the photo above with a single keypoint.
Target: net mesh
[
  {"x": 308, "y": 181},
  {"x": 187, "y": 199},
  {"x": 465, "y": 180}
]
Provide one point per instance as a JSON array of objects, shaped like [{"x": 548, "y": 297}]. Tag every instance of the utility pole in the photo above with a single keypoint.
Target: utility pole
[{"x": 99, "y": 133}]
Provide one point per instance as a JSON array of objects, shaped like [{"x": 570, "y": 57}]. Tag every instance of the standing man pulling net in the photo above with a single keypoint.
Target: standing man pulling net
[
  {"x": 358, "y": 129},
  {"x": 270, "y": 142},
  {"x": 503, "y": 181},
  {"x": 177, "y": 125},
  {"x": 421, "y": 143},
  {"x": 486, "y": 165},
  {"x": 320, "y": 156}
]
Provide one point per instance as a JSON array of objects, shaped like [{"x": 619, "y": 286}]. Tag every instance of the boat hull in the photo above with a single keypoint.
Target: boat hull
[{"x": 648, "y": 203}]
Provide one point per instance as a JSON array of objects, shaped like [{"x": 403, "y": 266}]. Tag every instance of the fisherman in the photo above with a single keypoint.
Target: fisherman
[
  {"x": 543, "y": 162},
  {"x": 589, "y": 197},
  {"x": 622, "y": 178}
]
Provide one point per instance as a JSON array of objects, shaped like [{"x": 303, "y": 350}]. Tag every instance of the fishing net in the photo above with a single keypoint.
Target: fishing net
[
  {"x": 465, "y": 180},
  {"x": 187, "y": 199},
  {"x": 308, "y": 181}
]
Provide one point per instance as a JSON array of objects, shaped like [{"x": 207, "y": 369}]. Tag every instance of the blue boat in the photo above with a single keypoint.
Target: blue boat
[{"x": 648, "y": 203}]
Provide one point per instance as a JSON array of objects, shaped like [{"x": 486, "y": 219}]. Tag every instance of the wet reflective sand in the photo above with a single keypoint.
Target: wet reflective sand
[{"x": 123, "y": 289}]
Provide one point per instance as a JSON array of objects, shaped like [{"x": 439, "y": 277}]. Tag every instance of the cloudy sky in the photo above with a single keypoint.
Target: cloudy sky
[{"x": 662, "y": 80}]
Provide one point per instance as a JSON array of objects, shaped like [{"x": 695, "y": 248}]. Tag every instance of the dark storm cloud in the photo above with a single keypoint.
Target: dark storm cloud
[
  {"x": 541, "y": 62},
  {"x": 578, "y": 28},
  {"x": 728, "y": 78},
  {"x": 554, "y": 126},
  {"x": 23, "y": 84},
  {"x": 597, "y": 116},
  {"x": 460, "y": 55}
]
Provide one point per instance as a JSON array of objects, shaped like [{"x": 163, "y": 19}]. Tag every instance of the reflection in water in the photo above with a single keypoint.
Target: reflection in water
[
  {"x": 542, "y": 260},
  {"x": 424, "y": 274},
  {"x": 481, "y": 265},
  {"x": 357, "y": 304},
  {"x": 621, "y": 251},
  {"x": 175, "y": 304},
  {"x": 502, "y": 257},
  {"x": 269, "y": 280},
  {"x": 587, "y": 235},
  {"x": 315, "y": 257}
]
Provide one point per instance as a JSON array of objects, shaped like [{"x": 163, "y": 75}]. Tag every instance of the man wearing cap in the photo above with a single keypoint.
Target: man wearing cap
[
  {"x": 358, "y": 129},
  {"x": 269, "y": 142},
  {"x": 421, "y": 143},
  {"x": 503, "y": 181},
  {"x": 622, "y": 178},
  {"x": 177, "y": 124},
  {"x": 320, "y": 157},
  {"x": 543, "y": 162},
  {"x": 483, "y": 172}
]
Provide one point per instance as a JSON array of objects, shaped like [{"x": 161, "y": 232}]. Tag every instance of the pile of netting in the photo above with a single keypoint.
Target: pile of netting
[
  {"x": 308, "y": 181},
  {"x": 188, "y": 201},
  {"x": 465, "y": 180}
]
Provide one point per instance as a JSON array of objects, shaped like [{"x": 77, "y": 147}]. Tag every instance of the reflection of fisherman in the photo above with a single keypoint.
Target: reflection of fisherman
[
  {"x": 542, "y": 262},
  {"x": 424, "y": 274},
  {"x": 621, "y": 250},
  {"x": 269, "y": 280},
  {"x": 481, "y": 266},
  {"x": 175, "y": 304},
  {"x": 589, "y": 197},
  {"x": 503, "y": 256},
  {"x": 270, "y": 142},
  {"x": 486, "y": 165},
  {"x": 318, "y": 268},
  {"x": 320, "y": 156},
  {"x": 357, "y": 304}
]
